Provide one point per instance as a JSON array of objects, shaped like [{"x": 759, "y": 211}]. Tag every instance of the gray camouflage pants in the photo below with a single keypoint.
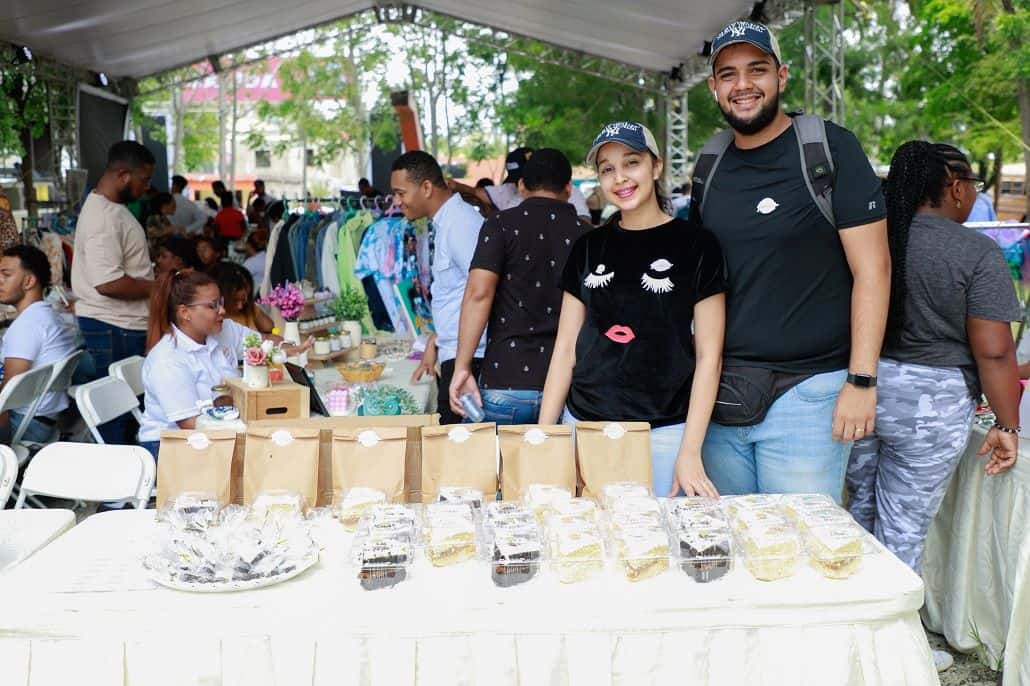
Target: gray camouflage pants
[{"x": 898, "y": 475}]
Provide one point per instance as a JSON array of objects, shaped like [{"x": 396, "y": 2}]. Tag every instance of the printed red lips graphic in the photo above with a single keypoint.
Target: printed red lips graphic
[{"x": 620, "y": 334}]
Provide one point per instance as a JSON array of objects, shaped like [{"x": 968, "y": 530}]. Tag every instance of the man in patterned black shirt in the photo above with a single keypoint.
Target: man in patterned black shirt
[{"x": 513, "y": 283}]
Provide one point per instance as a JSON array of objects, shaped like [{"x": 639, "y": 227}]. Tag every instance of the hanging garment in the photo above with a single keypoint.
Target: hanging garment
[
  {"x": 273, "y": 237},
  {"x": 330, "y": 277},
  {"x": 382, "y": 257},
  {"x": 281, "y": 271}
]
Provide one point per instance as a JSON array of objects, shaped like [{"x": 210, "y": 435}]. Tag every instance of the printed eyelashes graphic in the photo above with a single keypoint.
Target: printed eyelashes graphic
[
  {"x": 655, "y": 284},
  {"x": 598, "y": 279}
]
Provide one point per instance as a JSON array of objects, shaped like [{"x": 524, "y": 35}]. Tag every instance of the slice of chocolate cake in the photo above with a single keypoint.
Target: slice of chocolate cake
[
  {"x": 516, "y": 558},
  {"x": 383, "y": 564},
  {"x": 705, "y": 553}
]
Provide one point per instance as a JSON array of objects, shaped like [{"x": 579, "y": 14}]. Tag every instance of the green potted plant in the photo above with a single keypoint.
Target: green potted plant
[{"x": 350, "y": 307}]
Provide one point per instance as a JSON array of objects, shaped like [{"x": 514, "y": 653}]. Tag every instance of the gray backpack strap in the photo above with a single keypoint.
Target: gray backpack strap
[
  {"x": 705, "y": 167},
  {"x": 816, "y": 162}
]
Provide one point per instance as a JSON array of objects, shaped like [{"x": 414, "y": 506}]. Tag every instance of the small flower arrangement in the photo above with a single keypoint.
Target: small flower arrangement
[
  {"x": 288, "y": 299},
  {"x": 258, "y": 353}
]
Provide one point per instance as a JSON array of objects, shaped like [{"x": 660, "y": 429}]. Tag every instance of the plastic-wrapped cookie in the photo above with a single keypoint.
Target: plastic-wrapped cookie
[
  {"x": 642, "y": 553},
  {"x": 578, "y": 553}
]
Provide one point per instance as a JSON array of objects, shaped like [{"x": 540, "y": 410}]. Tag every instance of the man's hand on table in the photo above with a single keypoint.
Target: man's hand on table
[{"x": 427, "y": 367}]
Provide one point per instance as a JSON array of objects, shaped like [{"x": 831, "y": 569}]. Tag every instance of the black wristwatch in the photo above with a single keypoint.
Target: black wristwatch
[{"x": 861, "y": 380}]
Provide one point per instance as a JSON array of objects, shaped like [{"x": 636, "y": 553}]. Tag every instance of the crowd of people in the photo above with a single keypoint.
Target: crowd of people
[{"x": 779, "y": 330}]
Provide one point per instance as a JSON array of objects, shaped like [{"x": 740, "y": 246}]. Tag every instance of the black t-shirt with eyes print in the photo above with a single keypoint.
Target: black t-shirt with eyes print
[{"x": 635, "y": 352}]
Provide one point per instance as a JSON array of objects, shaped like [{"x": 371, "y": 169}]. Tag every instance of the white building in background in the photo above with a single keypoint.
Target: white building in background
[{"x": 283, "y": 174}]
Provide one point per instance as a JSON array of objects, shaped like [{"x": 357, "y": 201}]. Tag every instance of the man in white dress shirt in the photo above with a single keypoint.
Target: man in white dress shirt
[
  {"x": 187, "y": 214},
  {"x": 36, "y": 337},
  {"x": 421, "y": 191}
]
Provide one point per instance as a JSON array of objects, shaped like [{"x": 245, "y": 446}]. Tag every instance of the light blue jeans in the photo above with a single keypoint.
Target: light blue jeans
[
  {"x": 665, "y": 448},
  {"x": 35, "y": 432},
  {"x": 791, "y": 451},
  {"x": 511, "y": 407}
]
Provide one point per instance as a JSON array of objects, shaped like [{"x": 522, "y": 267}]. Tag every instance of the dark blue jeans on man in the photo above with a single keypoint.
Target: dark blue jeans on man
[{"x": 107, "y": 344}]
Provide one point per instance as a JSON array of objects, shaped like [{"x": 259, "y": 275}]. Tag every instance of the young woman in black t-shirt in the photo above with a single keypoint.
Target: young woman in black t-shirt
[{"x": 643, "y": 316}]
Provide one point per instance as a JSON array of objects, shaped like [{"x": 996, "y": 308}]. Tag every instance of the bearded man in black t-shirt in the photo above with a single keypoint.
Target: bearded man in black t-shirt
[{"x": 808, "y": 299}]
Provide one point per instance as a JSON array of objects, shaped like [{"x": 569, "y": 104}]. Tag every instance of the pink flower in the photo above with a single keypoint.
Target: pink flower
[
  {"x": 254, "y": 357},
  {"x": 288, "y": 299}
]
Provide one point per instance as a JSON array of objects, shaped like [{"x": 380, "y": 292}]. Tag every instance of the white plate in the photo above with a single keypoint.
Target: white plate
[{"x": 230, "y": 586}]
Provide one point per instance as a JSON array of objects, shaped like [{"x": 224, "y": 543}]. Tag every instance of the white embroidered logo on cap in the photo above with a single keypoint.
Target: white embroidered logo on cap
[
  {"x": 198, "y": 441},
  {"x": 535, "y": 436},
  {"x": 615, "y": 128},
  {"x": 767, "y": 206},
  {"x": 738, "y": 29},
  {"x": 459, "y": 434},
  {"x": 614, "y": 431},
  {"x": 281, "y": 438},
  {"x": 368, "y": 439}
]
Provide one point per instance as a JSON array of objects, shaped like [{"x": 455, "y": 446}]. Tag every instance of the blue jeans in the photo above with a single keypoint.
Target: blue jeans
[
  {"x": 151, "y": 447},
  {"x": 791, "y": 451},
  {"x": 665, "y": 448},
  {"x": 107, "y": 344},
  {"x": 511, "y": 407},
  {"x": 35, "y": 432}
]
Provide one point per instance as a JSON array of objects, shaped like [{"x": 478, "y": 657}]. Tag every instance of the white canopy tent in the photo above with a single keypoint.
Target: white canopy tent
[
  {"x": 145, "y": 37},
  {"x": 649, "y": 44}
]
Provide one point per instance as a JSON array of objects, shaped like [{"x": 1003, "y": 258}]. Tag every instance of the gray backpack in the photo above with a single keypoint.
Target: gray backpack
[{"x": 816, "y": 161}]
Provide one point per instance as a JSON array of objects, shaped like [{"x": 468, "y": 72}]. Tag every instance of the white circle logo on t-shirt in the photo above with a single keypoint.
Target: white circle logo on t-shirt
[{"x": 767, "y": 206}]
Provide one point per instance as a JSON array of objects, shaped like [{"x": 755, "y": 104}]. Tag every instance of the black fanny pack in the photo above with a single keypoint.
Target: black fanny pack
[{"x": 747, "y": 393}]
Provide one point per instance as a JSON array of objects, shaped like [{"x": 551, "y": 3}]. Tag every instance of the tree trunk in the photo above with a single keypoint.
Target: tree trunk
[
  {"x": 1024, "y": 118},
  {"x": 222, "y": 168},
  {"x": 304, "y": 164},
  {"x": 232, "y": 136},
  {"x": 178, "y": 117},
  {"x": 996, "y": 176},
  {"x": 28, "y": 168}
]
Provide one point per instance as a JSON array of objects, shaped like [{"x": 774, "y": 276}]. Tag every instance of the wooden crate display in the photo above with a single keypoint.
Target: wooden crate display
[{"x": 281, "y": 400}]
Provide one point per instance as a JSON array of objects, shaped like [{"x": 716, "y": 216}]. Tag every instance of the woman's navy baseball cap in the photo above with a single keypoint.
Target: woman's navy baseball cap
[{"x": 632, "y": 134}]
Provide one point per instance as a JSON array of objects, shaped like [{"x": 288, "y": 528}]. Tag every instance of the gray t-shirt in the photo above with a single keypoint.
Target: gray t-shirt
[{"x": 952, "y": 272}]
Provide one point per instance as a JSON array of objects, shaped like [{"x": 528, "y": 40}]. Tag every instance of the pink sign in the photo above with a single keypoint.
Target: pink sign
[{"x": 251, "y": 87}]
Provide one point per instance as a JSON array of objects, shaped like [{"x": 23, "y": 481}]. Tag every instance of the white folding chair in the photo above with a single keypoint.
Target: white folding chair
[
  {"x": 90, "y": 472},
  {"x": 23, "y": 393},
  {"x": 102, "y": 400},
  {"x": 130, "y": 370},
  {"x": 8, "y": 473}
]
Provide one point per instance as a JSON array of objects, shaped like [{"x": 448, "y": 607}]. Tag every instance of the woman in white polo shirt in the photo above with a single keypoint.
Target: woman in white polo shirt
[{"x": 192, "y": 348}]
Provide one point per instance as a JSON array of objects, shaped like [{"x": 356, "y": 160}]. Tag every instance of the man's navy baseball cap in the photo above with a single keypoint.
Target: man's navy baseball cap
[
  {"x": 750, "y": 32},
  {"x": 633, "y": 135}
]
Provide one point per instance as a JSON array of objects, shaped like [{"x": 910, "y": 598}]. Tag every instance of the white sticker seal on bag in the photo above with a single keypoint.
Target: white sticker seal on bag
[
  {"x": 368, "y": 439},
  {"x": 198, "y": 441},
  {"x": 459, "y": 434},
  {"x": 614, "y": 431},
  {"x": 281, "y": 438},
  {"x": 535, "y": 436}
]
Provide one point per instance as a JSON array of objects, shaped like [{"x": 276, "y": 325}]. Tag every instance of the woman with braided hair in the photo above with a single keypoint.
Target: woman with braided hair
[{"x": 948, "y": 337}]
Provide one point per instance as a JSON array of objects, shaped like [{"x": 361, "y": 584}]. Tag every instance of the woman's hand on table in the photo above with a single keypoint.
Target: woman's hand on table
[
  {"x": 293, "y": 350},
  {"x": 689, "y": 475},
  {"x": 1001, "y": 449}
]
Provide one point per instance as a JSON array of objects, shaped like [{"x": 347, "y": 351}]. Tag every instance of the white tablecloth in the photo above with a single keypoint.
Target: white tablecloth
[
  {"x": 397, "y": 373},
  {"x": 977, "y": 563},
  {"x": 24, "y": 532},
  {"x": 69, "y": 616}
]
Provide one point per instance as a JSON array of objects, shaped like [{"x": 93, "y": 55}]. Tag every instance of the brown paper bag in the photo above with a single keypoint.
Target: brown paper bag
[
  {"x": 459, "y": 455},
  {"x": 612, "y": 451},
  {"x": 199, "y": 461},
  {"x": 281, "y": 460},
  {"x": 533, "y": 454},
  {"x": 372, "y": 458}
]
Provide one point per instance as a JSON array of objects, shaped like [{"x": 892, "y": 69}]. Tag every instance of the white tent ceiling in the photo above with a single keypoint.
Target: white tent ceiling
[{"x": 139, "y": 38}]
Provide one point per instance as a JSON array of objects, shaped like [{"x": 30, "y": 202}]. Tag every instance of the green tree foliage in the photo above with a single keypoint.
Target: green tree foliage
[{"x": 199, "y": 140}]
